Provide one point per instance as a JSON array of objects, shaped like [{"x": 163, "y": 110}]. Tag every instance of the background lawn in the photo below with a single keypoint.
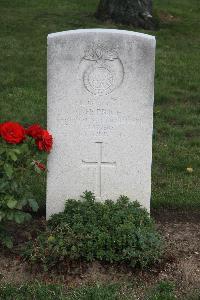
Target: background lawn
[
  {"x": 162, "y": 291},
  {"x": 24, "y": 28}
]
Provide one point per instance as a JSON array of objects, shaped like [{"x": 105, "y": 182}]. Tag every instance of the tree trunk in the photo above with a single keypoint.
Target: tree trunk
[{"x": 131, "y": 12}]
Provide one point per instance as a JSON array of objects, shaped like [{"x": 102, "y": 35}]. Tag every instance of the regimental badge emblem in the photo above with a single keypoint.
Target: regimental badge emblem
[{"x": 103, "y": 70}]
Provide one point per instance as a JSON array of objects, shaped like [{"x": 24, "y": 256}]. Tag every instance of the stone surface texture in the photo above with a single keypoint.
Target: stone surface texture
[{"x": 100, "y": 112}]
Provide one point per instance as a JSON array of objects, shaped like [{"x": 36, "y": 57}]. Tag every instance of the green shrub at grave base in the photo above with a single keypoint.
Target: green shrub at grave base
[{"x": 87, "y": 230}]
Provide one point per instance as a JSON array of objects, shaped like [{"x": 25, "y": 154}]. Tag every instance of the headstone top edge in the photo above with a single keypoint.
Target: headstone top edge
[{"x": 101, "y": 30}]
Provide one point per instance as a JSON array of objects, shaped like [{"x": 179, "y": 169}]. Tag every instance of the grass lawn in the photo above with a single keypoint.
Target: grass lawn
[
  {"x": 24, "y": 28},
  {"x": 162, "y": 291}
]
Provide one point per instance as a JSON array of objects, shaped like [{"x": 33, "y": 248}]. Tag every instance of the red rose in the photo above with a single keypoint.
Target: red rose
[
  {"x": 45, "y": 141},
  {"x": 35, "y": 131},
  {"x": 12, "y": 132},
  {"x": 40, "y": 166}
]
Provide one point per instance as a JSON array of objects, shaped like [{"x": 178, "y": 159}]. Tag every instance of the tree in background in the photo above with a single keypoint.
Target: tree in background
[{"x": 130, "y": 12}]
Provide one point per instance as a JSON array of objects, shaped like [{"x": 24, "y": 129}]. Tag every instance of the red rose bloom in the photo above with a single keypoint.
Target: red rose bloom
[
  {"x": 12, "y": 132},
  {"x": 45, "y": 141},
  {"x": 40, "y": 166},
  {"x": 35, "y": 131}
]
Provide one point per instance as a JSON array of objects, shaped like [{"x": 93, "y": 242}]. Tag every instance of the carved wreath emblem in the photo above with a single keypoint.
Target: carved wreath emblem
[{"x": 103, "y": 70}]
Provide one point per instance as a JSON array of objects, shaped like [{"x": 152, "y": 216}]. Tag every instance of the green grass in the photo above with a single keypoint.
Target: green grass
[
  {"x": 24, "y": 27},
  {"x": 37, "y": 291},
  {"x": 55, "y": 292}
]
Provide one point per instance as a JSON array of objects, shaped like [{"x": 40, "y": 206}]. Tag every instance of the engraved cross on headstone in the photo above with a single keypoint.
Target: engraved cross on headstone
[{"x": 99, "y": 164}]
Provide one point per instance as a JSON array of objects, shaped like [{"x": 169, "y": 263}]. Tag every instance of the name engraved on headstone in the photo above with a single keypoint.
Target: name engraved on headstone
[{"x": 103, "y": 120}]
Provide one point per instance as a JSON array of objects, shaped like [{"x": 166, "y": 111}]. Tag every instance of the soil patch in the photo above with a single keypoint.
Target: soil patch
[
  {"x": 180, "y": 264},
  {"x": 167, "y": 18}
]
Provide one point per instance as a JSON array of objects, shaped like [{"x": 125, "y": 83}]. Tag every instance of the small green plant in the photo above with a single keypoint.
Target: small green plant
[
  {"x": 18, "y": 157},
  {"x": 119, "y": 232}
]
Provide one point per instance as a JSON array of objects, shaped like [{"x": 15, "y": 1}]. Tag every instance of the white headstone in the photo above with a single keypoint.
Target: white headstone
[{"x": 100, "y": 112}]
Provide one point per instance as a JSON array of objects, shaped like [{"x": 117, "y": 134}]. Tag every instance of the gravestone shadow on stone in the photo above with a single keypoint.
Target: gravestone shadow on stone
[{"x": 100, "y": 113}]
